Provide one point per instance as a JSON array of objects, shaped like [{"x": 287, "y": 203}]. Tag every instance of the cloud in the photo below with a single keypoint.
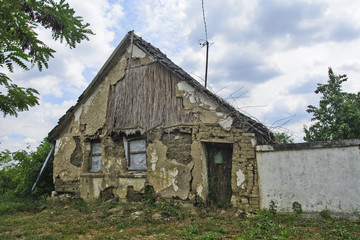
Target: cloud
[
  {"x": 34, "y": 124},
  {"x": 273, "y": 51},
  {"x": 62, "y": 83}
]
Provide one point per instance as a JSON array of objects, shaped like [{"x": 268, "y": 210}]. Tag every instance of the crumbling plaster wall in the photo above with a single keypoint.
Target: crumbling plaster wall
[
  {"x": 181, "y": 176},
  {"x": 217, "y": 125},
  {"x": 88, "y": 120}
]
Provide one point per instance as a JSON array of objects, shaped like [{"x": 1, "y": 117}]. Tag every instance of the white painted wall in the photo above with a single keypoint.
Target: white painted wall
[{"x": 319, "y": 176}]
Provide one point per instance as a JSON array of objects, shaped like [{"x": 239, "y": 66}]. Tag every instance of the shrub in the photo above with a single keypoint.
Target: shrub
[
  {"x": 297, "y": 208},
  {"x": 272, "y": 207},
  {"x": 325, "y": 214},
  {"x": 20, "y": 170}
]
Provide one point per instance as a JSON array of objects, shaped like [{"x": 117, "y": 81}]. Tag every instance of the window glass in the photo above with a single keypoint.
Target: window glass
[
  {"x": 135, "y": 152},
  {"x": 138, "y": 161},
  {"x": 218, "y": 157},
  {"x": 96, "y": 164},
  {"x": 96, "y": 148},
  {"x": 95, "y": 158},
  {"x": 138, "y": 145}
]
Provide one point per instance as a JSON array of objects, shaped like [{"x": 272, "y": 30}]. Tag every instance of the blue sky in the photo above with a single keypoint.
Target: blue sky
[{"x": 271, "y": 53}]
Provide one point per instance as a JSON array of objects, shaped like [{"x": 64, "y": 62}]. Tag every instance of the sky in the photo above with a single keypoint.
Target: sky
[{"x": 266, "y": 56}]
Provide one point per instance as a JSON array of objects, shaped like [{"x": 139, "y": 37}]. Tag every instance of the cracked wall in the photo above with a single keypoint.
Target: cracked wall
[{"x": 176, "y": 157}]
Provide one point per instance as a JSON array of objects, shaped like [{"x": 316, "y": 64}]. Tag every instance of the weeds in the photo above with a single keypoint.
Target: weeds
[
  {"x": 325, "y": 214},
  {"x": 272, "y": 207},
  {"x": 23, "y": 205},
  {"x": 95, "y": 220},
  {"x": 297, "y": 208}
]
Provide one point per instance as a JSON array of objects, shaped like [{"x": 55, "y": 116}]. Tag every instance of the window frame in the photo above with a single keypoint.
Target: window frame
[
  {"x": 129, "y": 153},
  {"x": 92, "y": 154}
]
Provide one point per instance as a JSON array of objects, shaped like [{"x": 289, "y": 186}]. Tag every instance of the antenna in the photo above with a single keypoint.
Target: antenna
[{"x": 205, "y": 43}]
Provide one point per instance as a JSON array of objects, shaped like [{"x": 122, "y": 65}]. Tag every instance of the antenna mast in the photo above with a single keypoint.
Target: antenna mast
[{"x": 206, "y": 43}]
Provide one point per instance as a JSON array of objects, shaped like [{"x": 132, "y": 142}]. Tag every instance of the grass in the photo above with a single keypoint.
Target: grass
[{"x": 160, "y": 220}]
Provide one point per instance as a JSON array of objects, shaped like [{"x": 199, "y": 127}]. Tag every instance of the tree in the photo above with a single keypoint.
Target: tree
[
  {"x": 338, "y": 114},
  {"x": 283, "y": 138},
  {"x": 19, "y": 43}
]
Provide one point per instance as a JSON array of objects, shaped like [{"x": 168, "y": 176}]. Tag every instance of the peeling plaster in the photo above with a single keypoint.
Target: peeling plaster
[
  {"x": 173, "y": 174},
  {"x": 57, "y": 146},
  {"x": 154, "y": 159},
  {"x": 194, "y": 96},
  {"x": 240, "y": 179},
  {"x": 226, "y": 122},
  {"x": 89, "y": 101},
  {"x": 97, "y": 186},
  {"x": 77, "y": 115},
  {"x": 136, "y": 52},
  {"x": 253, "y": 142},
  {"x": 199, "y": 190},
  {"x": 169, "y": 177}
]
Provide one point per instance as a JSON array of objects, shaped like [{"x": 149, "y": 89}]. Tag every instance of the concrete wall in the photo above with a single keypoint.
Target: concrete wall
[{"x": 321, "y": 175}]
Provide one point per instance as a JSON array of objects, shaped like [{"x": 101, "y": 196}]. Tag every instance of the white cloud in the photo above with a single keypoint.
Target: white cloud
[
  {"x": 64, "y": 79},
  {"x": 274, "y": 51}
]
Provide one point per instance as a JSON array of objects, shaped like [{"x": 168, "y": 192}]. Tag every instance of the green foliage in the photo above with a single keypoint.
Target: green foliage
[
  {"x": 338, "y": 114},
  {"x": 199, "y": 202},
  {"x": 18, "y": 205},
  {"x": 325, "y": 214},
  {"x": 20, "y": 170},
  {"x": 19, "y": 43},
  {"x": 81, "y": 205},
  {"x": 149, "y": 196},
  {"x": 74, "y": 219},
  {"x": 272, "y": 207},
  {"x": 17, "y": 99},
  {"x": 283, "y": 138},
  {"x": 297, "y": 208}
]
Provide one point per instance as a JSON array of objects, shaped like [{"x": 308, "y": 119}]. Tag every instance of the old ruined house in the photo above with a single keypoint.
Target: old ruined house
[{"x": 145, "y": 123}]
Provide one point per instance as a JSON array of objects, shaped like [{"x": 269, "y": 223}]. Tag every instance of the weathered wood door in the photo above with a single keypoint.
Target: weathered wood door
[{"x": 219, "y": 161}]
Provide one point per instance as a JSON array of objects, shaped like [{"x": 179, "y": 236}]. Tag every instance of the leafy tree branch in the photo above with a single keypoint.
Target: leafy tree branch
[
  {"x": 338, "y": 114},
  {"x": 19, "y": 43}
]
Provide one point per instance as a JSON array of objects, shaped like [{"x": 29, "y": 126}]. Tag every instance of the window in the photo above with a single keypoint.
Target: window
[
  {"x": 135, "y": 151},
  {"x": 95, "y": 157}
]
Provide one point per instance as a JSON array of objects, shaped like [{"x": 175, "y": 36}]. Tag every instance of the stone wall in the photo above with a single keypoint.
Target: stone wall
[
  {"x": 176, "y": 165},
  {"x": 319, "y": 175}
]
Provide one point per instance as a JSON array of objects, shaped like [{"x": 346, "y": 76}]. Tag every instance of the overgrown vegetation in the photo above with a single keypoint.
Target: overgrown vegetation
[
  {"x": 76, "y": 219},
  {"x": 18, "y": 174},
  {"x": 297, "y": 207}
]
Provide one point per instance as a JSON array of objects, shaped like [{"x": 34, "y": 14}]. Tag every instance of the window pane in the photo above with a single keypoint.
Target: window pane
[
  {"x": 138, "y": 145},
  {"x": 96, "y": 164},
  {"x": 218, "y": 157},
  {"x": 137, "y": 161},
  {"x": 96, "y": 148}
]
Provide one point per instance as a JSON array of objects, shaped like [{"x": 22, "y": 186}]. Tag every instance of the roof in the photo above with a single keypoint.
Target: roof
[{"x": 251, "y": 124}]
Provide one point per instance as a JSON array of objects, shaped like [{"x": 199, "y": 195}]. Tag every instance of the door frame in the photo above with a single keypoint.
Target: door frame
[{"x": 204, "y": 145}]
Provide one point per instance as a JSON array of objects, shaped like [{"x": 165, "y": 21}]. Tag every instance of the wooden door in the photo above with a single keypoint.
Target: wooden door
[{"x": 219, "y": 162}]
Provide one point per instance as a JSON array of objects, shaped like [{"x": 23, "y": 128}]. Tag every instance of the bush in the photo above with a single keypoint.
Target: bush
[
  {"x": 272, "y": 207},
  {"x": 20, "y": 170},
  {"x": 297, "y": 208},
  {"x": 325, "y": 214}
]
